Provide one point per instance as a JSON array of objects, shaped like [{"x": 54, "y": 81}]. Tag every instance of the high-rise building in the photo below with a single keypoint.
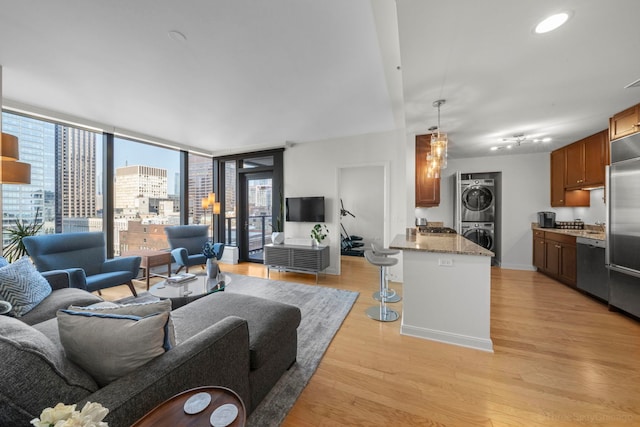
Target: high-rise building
[
  {"x": 135, "y": 185},
  {"x": 200, "y": 185},
  {"x": 75, "y": 174}
]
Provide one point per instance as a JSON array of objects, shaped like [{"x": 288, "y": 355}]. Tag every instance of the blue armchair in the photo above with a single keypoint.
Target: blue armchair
[
  {"x": 186, "y": 242},
  {"x": 84, "y": 257}
]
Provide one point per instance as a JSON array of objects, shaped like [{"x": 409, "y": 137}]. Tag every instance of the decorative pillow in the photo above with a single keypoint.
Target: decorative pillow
[
  {"x": 109, "y": 346},
  {"x": 22, "y": 286},
  {"x": 136, "y": 309}
]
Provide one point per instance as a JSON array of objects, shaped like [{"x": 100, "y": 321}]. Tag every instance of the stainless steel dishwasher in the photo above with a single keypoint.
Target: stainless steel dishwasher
[{"x": 593, "y": 275}]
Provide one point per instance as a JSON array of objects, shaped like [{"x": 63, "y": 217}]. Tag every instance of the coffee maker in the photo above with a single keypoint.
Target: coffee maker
[{"x": 546, "y": 219}]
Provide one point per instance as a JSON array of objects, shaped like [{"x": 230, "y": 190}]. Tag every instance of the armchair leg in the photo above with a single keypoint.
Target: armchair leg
[
  {"x": 133, "y": 289},
  {"x": 180, "y": 268}
]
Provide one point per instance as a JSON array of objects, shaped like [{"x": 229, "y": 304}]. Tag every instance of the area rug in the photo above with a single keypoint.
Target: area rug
[{"x": 323, "y": 311}]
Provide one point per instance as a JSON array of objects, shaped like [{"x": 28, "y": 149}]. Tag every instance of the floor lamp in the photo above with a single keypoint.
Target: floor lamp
[{"x": 210, "y": 202}]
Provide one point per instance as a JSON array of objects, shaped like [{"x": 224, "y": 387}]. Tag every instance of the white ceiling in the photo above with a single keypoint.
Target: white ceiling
[{"x": 256, "y": 74}]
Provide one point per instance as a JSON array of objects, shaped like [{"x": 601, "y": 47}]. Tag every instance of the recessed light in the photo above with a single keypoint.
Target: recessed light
[
  {"x": 177, "y": 36},
  {"x": 551, "y": 23}
]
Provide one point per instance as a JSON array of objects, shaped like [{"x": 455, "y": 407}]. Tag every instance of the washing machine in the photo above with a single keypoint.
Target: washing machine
[
  {"x": 480, "y": 233},
  {"x": 478, "y": 202}
]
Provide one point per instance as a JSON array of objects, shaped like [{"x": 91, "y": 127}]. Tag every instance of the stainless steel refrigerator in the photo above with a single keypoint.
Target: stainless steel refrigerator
[{"x": 623, "y": 224}]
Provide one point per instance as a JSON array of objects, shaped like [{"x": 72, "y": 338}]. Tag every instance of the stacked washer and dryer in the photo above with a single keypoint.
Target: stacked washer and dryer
[{"x": 476, "y": 209}]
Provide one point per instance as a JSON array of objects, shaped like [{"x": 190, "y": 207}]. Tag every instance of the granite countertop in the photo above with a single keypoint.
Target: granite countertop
[
  {"x": 593, "y": 232},
  {"x": 441, "y": 243}
]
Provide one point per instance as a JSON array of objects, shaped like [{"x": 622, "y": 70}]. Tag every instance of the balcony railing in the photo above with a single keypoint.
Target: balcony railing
[{"x": 259, "y": 232}]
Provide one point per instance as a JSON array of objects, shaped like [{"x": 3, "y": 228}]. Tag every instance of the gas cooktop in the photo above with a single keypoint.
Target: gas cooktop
[{"x": 441, "y": 230}]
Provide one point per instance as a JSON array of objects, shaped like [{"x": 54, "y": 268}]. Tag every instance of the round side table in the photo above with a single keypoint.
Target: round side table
[{"x": 171, "y": 412}]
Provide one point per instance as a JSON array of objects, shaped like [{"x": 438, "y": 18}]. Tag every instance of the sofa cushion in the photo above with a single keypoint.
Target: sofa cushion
[
  {"x": 109, "y": 346},
  {"x": 268, "y": 321},
  {"x": 35, "y": 372},
  {"x": 23, "y": 286},
  {"x": 136, "y": 309},
  {"x": 61, "y": 298}
]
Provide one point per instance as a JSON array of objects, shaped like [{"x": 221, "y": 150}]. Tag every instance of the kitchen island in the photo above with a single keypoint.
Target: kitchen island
[{"x": 446, "y": 289}]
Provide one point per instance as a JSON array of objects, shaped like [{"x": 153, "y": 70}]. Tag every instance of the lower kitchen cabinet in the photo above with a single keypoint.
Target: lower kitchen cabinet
[{"x": 554, "y": 254}]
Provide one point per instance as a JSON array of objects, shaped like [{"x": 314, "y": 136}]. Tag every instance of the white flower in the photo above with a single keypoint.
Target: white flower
[{"x": 62, "y": 415}]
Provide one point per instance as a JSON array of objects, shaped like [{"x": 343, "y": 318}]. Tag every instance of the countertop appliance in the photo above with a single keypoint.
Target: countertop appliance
[
  {"x": 593, "y": 276},
  {"x": 424, "y": 229},
  {"x": 546, "y": 219},
  {"x": 623, "y": 224}
]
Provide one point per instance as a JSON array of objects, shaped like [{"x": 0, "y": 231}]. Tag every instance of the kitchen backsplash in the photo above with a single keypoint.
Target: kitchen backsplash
[{"x": 596, "y": 213}]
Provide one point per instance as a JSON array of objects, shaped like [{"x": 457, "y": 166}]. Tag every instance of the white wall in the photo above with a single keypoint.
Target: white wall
[
  {"x": 361, "y": 189},
  {"x": 314, "y": 169}
]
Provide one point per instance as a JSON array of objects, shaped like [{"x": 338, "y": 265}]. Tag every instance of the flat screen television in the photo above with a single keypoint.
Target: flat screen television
[{"x": 305, "y": 209}]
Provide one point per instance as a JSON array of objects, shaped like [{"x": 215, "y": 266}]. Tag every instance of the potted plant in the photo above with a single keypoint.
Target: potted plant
[
  {"x": 318, "y": 233},
  {"x": 15, "y": 248},
  {"x": 277, "y": 236}
]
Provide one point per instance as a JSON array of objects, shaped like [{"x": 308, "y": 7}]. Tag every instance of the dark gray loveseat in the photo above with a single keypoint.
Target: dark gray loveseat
[{"x": 236, "y": 341}]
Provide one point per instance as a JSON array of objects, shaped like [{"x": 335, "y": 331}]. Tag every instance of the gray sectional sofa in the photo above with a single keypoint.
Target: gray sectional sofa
[{"x": 237, "y": 341}]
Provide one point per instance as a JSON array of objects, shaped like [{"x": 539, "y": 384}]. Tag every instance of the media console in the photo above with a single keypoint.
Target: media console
[{"x": 304, "y": 259}]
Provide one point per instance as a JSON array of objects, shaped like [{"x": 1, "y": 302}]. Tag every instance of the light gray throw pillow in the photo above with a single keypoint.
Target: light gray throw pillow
[{"x": 109, "y": 346}]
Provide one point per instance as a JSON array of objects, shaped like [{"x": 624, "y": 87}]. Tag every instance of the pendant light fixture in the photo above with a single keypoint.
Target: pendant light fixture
[
  {"x": 11, "y": 170},
  {"x": 439, "y": 140}
]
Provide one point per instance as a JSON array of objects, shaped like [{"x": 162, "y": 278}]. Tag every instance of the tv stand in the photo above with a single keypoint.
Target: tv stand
[{"x": 303, "y": 259}]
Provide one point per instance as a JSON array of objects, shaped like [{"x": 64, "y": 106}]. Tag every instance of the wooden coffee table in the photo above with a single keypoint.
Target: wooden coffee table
[
  {"x": 171, "y": 412},
  {"x": 151, "y": 258}
]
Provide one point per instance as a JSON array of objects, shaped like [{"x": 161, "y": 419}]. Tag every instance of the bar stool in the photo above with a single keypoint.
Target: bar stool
[
  {"x": 381, "y": 312},
  {"x": 389, "y": 295}
]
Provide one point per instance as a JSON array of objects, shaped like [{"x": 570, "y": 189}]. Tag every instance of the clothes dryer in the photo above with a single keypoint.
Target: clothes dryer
[
  {"x": 480, "y": 233},
  {"x": 478, "y": 200}
]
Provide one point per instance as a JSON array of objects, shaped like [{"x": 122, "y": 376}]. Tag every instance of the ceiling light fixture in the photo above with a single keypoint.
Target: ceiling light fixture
[
  {"x": 517, "y": 140},
  {"x": 439, "y": 141},
  {"x": 551, "y": 23}
]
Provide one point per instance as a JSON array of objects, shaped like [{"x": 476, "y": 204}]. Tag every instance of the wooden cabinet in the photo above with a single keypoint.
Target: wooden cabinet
[
  {"x": 427, "y": 189},
  {"x": 586, "y": 160},
  {"x": 560, "y": 196},
  {"x": 538, "y": 249},
  {"x": 625, "y": 123},
  {"x": 554, "y": 254}
]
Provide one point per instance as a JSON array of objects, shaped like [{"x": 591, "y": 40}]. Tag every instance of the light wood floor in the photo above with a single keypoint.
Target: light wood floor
[{"x": 561, "y": 358}]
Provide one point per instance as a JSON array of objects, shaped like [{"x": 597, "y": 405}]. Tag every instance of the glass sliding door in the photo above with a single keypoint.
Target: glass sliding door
[{"x": 257, "y": 204}]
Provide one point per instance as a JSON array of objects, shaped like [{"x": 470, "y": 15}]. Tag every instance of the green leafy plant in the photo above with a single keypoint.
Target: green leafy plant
[
  {"x": 15, "y": 248},
  {"x": 319, "y": 232}
]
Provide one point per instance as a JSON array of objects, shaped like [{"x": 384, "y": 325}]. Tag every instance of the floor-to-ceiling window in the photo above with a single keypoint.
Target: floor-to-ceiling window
[
  {"x": 146, "y": 195},
  {"x": 65, "y": 190}
]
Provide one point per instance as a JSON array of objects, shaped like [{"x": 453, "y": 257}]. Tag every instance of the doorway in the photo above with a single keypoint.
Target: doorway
[{"x": 256, "y": 213}]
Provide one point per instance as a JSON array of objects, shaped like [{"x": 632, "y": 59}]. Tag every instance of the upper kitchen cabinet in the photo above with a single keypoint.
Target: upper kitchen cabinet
[
  {"x": 586, "y": 161},
  {"x": 625, "y": 123},
  {"x": 560, "y": 196},
  {"x": 427, "y": 189}
]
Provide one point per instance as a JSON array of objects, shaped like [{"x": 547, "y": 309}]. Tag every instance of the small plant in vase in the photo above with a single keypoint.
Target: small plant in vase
[
  {"x": 210, "y": 253},
  {"x": 318, "y": 233}
]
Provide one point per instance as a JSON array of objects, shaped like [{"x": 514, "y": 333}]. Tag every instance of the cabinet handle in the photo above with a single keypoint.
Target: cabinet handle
[{"x": 558, "y": 246}]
